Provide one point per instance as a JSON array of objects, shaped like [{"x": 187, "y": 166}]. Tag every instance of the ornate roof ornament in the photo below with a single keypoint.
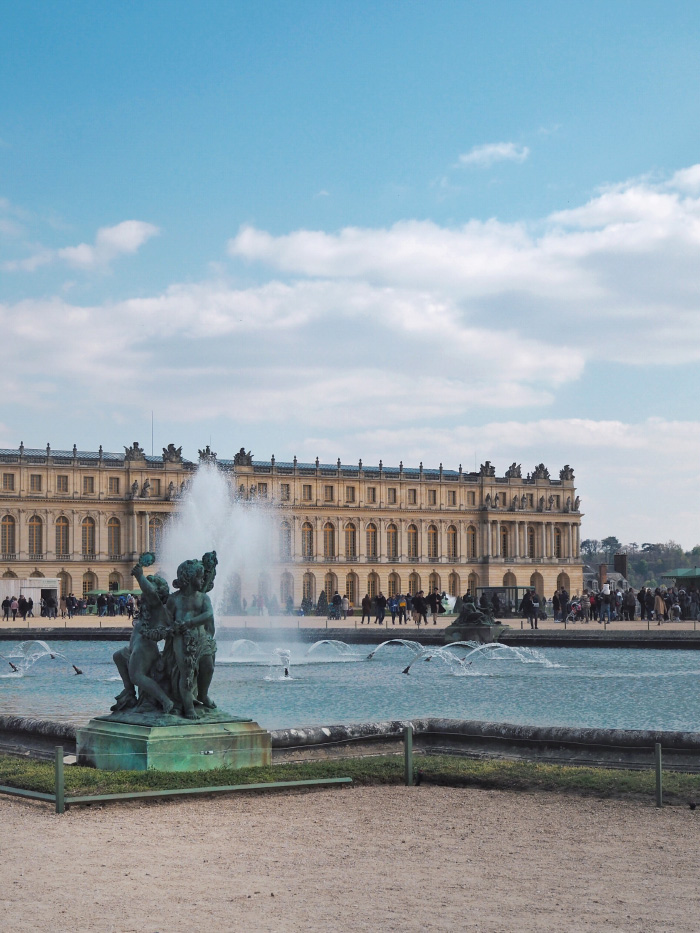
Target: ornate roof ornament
[
  {"x": 487, "y": 469},
  {"x": 172, "y": 454},
  {"x": 540, "y": 472},
  {"x": 567, "y": 474},
  {"x": 241, "y": 458},
  {"x": 514, "y": 471},
  {"x": 207, "y": 455},
  {"x": 134, "y": 452}
]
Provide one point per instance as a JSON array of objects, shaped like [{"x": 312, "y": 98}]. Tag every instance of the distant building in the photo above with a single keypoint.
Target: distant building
[{"x": 84, "y": 516}]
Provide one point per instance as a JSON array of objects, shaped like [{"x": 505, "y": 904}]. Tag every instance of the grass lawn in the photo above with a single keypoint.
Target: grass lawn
[{"x": 430, "y": 769}]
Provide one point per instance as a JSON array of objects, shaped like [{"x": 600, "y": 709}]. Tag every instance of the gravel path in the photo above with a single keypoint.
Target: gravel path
[{"x": 355, "y": 859}]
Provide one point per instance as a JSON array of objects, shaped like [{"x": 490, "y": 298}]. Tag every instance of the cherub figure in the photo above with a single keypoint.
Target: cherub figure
[
  {"x": 136, "y": 661},
  {"x": 193, "y": 643}
]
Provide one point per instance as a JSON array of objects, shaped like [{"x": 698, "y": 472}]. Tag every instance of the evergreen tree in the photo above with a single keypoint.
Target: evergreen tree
[{"x": 322, "y": 605}]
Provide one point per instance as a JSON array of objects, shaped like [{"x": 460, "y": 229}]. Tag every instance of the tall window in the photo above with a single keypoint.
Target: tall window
[
  {"x": 7, "y": 535},
  {"x": 371, "y": 493},
  {"x": 350, "y": 541},
  {"x": 394, "y": 584},
  {"x": 471, "y": 543},
  {"x": 62, "y": 526},
  {"x": 114, "y": 485},
  {"x": 504, "y": 542},
  {"x": 89, "y": 583},
  {"x": 155, "y": 535},
  {"x": 432, "y": 496},
  {"x": 349, "y": 493},
  {"x": 330, "y": 586},
  {"x": 262, "y": 490},
  {"x": 8, "y": 482},
  {"x": 88, "y": 485},
  {"x": 286, "y": 588},
  {"x": 411, "y": 496},
  {"x": 412, "y": 541},
  {"x": 471, "y": 498},
  {"x": 327, "y": 493},
  {"x": 284, "y": 492},
  {"x": 432, "y": 542},
  {"x": 392, "y": 542},
  {"x": 372, "y": 542},
  {"x": 452, "y": 543},
  {"x": 413, "y": 584},
  {"x": 307, "y": 540},
  {"x": 114, "y": 537},
  {"x": 452, "y": 497},
  {"x": 453, "y": 584},
  {"x": 306, "y": 492},
  {"x": 391, "y": 495},
  {"x": 35, "y": 528},
  {"x": 372, "y": 585},
  {"x": 530, "y": 542},
  {"x": 329, "y": 539},
  {"x": 35, "y": 482},
  {"x": 308, "y": 586},
  {"x": 61, "y": 484},
  {"x": 88, "y": 536},
  {"x": 285, "y": 540},
  {"x": 557, "y": 542},
  {"x": 155, "y": 487},
  {"x": 351, "y": 588}
]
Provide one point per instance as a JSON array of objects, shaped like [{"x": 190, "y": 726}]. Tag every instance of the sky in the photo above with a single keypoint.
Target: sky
[{"x": 439, "y": 232}]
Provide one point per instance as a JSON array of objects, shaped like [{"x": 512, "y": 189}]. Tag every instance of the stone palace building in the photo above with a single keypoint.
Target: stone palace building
[{"x": 83, "y": 517}]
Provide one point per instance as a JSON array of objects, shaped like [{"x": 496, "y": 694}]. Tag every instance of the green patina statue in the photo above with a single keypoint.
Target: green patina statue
[{"x": 177, "y": 680}]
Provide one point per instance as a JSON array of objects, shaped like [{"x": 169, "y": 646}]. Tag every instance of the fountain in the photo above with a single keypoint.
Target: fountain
[{"x": 173, "y": 723}]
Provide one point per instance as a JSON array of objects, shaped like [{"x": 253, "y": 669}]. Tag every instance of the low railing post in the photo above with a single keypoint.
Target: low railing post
[
  {"x": 58, "y": 780},
  {"x": 659, "y": 775},
  {"x": 408, "y": 755}
]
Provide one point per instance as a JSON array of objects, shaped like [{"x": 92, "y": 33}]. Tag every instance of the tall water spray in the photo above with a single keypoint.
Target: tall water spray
[{"x": 210, "y": 518}]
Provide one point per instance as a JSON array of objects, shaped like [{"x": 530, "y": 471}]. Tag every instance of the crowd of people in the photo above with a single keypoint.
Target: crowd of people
[
  {"x": 105, "y": 604},
  {"x": 402, "y": 607},
  {"x": 659, "y": 604}
]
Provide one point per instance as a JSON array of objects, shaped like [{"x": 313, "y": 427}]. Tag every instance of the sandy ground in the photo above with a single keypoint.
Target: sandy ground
[{"x": 367, "y": 859}]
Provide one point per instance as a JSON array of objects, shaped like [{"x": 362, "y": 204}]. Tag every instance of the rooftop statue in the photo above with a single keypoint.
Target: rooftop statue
[
  {"x": 175, "y": 681},
  {"x": 487, "y": 469},
  {"x": 172, "y": 454},
  {"x": 134, "y": 452},
  {"x": 540, "y": 472},
  {"x": 514, "y": 471},
  {"x": 566, "y": 474},
  {"x": 242, "y": 458},
  {"x": 207, "y": 455}
]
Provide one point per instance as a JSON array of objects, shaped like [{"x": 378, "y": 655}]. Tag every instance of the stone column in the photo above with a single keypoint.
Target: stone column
[
  {"x": 516, "y": 540},
  {"x": 497, "y": 548},
  {"x": 544, "y": 539},
  {"x": 570, "y": 541},
  {"x": 134, "y": 537},
  {"x": 146, "y": 542}
]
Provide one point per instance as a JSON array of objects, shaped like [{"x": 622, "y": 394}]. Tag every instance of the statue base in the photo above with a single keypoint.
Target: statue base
[
  {"x": 129, "y": 741},
  {"x": 484, "y": 634}
]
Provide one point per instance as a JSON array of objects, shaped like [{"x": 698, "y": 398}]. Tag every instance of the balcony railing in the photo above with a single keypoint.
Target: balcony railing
[
  {"x": 9, "y": 556},
  {"x": 35, "y": 556},
  {"x": 60, "y": 556},
  {"x": 116, "y": 557},
  {"x": 91, "y": 556}
]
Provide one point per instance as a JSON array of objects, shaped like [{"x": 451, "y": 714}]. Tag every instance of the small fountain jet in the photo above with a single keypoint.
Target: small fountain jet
[{"x": 76, "y": 669}]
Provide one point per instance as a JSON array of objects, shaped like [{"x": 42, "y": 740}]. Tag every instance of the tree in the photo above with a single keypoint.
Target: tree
[
  {"x": 610, "y": 546},
  {"x": 590, "y": 547},
  {"x": 322, "y": 605}
]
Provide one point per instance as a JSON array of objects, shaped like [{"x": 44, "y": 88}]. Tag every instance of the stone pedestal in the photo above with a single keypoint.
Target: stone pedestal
[{"x": 129, "y": 742}]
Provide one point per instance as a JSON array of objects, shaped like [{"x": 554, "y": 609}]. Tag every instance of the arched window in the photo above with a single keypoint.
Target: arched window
[
  {"x": 65, "y": 583},
  {"x": 557, "y": 542},
  {"x": 537, "y": 583},
  {"x": 62, "y": 528},
  {"x": 351, "y": 588},
  {"x": 412, "y": 541},
  {"x": 329, "y": 540},
  {"x": 330, "y": 584},
  {"x": 350, "y": 542},
  {"x": 453, "y": 585},
  {"x": 307, "y": 540},
  {"x": 372, "y": 585},
  {"x": 88, "y": 536},
  {"x": 286, "y": 589},
  {"x": 473, "y": 583},
  {"x": 530, "y": 541},
  {"x": 308, "y": 587},
  {"x": 413, "y": 584},
  {"x": 36, "y": 538},
  {"x": 115, "y": 581},
  {"x": 7, "y": 536},
  {"x": 114, "y": 539},
  {"x": 264, "y": 586},
  {"x": 155, "y": 535},
  {"x": 434, "y": 582},
  {"x": 432, "y": 542},
  {"x": 564, "y": 581},
  {"x": 504, "y": 542},
  {"x": 452, "y": 543},
  {"x": 471, "y": 543},
  {"x": 394, "y": 584},
  {"x": 392, "y": 542},
  {"x": 371, "y": 543},
  {"x": 89, "y": 582},
  {"x": 509, "y": 579},
  {"x": 285, "y": 543}
]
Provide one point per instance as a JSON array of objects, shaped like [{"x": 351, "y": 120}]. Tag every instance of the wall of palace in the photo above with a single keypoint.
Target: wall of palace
[{"x": 84, "y": 517}]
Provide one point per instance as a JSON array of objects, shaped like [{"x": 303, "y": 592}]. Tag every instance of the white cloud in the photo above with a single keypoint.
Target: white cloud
[
  {"x": 111, "y": 242},
  {"x": 484, "y": 156}
]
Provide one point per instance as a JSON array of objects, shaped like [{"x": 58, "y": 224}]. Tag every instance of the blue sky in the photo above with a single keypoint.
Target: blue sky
[{"x": 410, "y": 231}]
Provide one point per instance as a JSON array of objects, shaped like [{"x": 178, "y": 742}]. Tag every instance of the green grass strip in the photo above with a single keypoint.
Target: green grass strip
[{"x": 445, "y": 770}]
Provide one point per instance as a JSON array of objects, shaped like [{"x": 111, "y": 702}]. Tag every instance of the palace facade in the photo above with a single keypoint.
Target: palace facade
[{"x": 83, "y": 517}]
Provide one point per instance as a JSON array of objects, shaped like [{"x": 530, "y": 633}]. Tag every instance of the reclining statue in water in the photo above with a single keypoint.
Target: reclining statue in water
[{"x": 180, "y": 677}]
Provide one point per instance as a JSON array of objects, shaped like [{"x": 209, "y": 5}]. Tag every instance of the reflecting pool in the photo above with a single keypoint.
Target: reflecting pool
[{"x": 332, "y": 682}]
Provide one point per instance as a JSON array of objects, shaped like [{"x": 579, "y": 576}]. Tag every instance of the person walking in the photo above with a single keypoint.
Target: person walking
[
  {"x": 432, "y": 601},
  {"x": 366, "y": 609},
  {"x": 345, "y": 606},
  {"x": 403, "y": 608},
  {"x": 6, "y": 609},
  {"x": 380, "y": 608},
  {"x": 14, "y": 608}
]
